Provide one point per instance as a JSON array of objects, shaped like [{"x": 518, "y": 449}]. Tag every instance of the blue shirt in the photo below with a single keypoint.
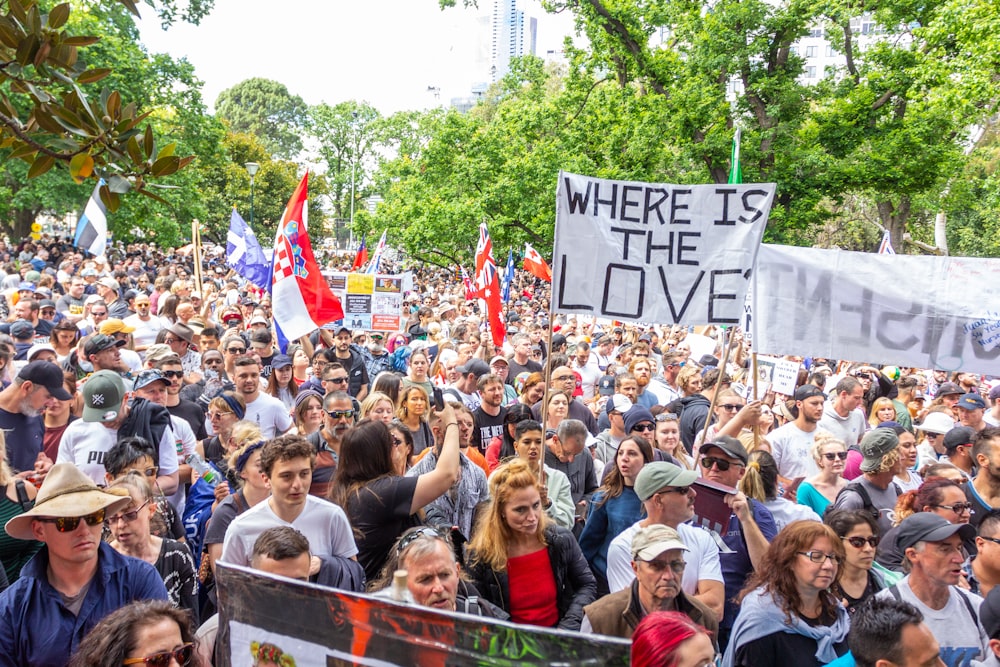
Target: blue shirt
[
  {"x": 736, "y": 566},
  {"x": 37, "y": 630},
  {"x": 605, "y": 523}
]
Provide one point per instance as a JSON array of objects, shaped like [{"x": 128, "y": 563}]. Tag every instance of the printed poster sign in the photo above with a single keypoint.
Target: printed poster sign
[{"x": 371, "y": 302}]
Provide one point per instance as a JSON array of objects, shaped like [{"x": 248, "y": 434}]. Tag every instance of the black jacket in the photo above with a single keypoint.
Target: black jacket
[
  {"x": 575, "y": 583},
  {"x": 693, "y": 418}
]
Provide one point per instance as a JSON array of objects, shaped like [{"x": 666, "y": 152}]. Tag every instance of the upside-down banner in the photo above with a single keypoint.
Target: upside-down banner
[{"x": 653, "y": 252}]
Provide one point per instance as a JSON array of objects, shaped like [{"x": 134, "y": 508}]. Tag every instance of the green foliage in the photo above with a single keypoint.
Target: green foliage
[{"x": 265, "y": 108}]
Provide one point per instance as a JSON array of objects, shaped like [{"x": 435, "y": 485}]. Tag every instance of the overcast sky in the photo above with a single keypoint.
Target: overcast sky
[{"x": 385, "y": 52}]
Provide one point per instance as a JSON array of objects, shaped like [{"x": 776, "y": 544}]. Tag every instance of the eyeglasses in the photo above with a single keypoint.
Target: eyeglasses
[
  {"x": 731, "y": 407},
  {"x": 181, "y": 654},
  {"x": 342, "y": 380},
  {"x": 215, "y": 415},
  {"x": 830, "y": 456},
  {"x": 667, "y": 417},
  {"x": 994, "y": 540},
  {"x": 417, "y": 534},
  {"x": 340, "y": 414},
  {"x": 66, "y": 524},
  {"x": 128, "y": 517},
  {"x": 708, "y": 461},
  {"x": 820, "y": 556},
  {"x": 172, "y": 374},
  {"x": 676, "y": 566},
  {"x": 859, "y": 542},
  {"x": 957, "y": 508},
  {"x": 236, "y": 350},
  {"x": 644, "y": 427},
  {"x": 679, "y": 490}
]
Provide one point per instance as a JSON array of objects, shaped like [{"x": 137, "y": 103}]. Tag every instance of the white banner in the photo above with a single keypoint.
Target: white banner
[
  {"x": 652, "y": 252},
  {"x": 907, "y": 310}
]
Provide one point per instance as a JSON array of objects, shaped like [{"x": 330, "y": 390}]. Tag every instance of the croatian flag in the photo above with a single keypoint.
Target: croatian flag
[
  {"x": 377, "y": 257},
  {"x": 300, "y": 298},
  {"x": 92, "y": 228},
  {"x": 244, "y": 254}
]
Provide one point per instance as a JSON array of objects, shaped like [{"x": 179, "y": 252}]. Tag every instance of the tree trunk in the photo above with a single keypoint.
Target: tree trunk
[
  {"x": 20, "y": 228},
  {"x": 894, "y": 218}
]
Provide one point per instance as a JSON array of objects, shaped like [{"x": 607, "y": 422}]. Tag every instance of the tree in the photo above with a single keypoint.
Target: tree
[
  {"x": 265, "y": 108},
  {"x": 349, "y": 136},
  {"x": 51, "y": 113}
]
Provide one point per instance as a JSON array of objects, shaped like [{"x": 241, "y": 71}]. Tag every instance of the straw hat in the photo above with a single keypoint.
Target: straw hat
[{"x": 67, "y": 492}]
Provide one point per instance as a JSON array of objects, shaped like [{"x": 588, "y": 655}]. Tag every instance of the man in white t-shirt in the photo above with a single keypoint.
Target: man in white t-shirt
[
  {"x": 287, "y": 464},
  {"x": 105, "y": 410},
  {"x": 146, "y": 326},
  {"x": 791, "y": 445},
  {"x": 666, "y": 493},
  {"x": 267, "y": 411},
  {"x": 933, "y": 548}
]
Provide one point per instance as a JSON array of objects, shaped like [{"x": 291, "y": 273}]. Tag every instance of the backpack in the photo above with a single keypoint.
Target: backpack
[
  {"x": 866, "y": 499},
  {"x": 197, "y": 512}
]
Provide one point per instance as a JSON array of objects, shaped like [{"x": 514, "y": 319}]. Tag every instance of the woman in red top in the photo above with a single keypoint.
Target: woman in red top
[{"x": 522, "y": 562}]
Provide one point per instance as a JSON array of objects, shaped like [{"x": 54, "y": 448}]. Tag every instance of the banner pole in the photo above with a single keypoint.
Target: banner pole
[
  {"x": 196, "y": 241},
  {"x": 756, "y": 424},
  {"x": 718, "y": 383}
]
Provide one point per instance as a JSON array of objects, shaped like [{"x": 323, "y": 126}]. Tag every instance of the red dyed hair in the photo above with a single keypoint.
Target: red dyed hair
[{"x": 656, "y": 638}]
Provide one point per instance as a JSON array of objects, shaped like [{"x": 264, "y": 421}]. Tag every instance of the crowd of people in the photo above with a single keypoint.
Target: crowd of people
[{"x": 565, "y": 479}]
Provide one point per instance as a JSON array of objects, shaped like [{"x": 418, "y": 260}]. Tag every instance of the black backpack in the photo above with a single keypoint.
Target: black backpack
[{"x": 866, "y": 499}]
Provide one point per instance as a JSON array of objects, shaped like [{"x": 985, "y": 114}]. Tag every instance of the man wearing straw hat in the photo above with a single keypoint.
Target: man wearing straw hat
[{"x": 75, "y": 580}]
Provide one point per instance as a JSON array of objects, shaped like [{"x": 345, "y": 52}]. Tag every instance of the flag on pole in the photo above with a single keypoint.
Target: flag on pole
[
  {"x": 377, "y": 257},
  {"x": 244, "y": 254},
  {"x": 361, "y": 258},
  {"x": 470, "y": 289},
  {"x": 536, "y": 265},
  {"x": 92, "y": 228},
  {"x": 885, "y": 247},
  {"x": 508, "y": 277},
  {"x": 735, "y": 169},
  {"x": 488, "y": 284},
  {"x": 301, "y": 300}
]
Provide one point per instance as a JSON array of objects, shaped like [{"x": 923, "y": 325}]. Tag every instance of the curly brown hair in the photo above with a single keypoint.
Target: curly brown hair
[{"x": 777, "y": 576}]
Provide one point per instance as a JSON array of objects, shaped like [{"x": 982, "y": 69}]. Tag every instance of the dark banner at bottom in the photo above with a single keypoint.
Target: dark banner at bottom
[{"x": 270, "y": 621}]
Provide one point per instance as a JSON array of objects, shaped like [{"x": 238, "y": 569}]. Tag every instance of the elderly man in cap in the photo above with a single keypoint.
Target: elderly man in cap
[
  {"x": 37, "y": 386},
  {"x": 874, "y": 491},
  {"x": 108, "y": 414},
  {"x": 75, "y": 580},
  {"x": 933, "y": 554},
  {"x": 668, "y": 497},
  {"x": 971, "y": 410},
  {"x": 180, "y": 339},
  {"x": 658, "y": 563}
]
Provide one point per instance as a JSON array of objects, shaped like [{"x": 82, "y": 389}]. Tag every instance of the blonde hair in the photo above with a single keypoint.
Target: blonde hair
[
  {"x": 373, "y": 399},
  {"x": 243, "y": 433},
  {"x": 492, "y": 534},
  {"x": 822, "y": 439},
  {"x": 881, "y": 402}
]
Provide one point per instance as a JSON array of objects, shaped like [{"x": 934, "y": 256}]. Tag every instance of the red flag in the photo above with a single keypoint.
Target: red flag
[
  {"x": 535, "y": 265},
  {"x": 361, "y": 258},
  {"x": 301, "y": 300},
  {"x": 488, "y": 284},
  {"x": 470, "y": 289}
]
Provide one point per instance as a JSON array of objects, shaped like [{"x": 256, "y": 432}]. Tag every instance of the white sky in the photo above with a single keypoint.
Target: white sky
[{"x": 385, "y": 52}]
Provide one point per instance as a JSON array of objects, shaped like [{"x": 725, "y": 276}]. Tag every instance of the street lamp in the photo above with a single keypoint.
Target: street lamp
[{"x": 252, "y": 168}]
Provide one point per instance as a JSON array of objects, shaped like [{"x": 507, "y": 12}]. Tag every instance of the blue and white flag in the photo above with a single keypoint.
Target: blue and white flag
[
  {"x": 885, "y": 247},
  {"x": 508, "y": 277},
  {"x": 244, "y": 254},
  {"x": 92, "y": 228},
  {"x": 377, "y": 257}
]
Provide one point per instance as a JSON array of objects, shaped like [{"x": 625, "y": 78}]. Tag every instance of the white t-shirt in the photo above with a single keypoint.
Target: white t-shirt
[
  {"x": 184, "y": 445},
  {"x": 324, "y": 524},
  {"x": 961, "y": 640},
  {"x": 702, "y": 558},
  {"x": 145, "y": 331},
  {"x": 850, "y": 429},
  {"x": 270, "y": 414},
  {"x": 85, "y": 444},
  {"x": 791, "y": 448}
]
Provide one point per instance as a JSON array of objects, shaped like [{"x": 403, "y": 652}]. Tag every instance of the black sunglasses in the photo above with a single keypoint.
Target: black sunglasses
[
  {"x": 236, "y": 350},
  {"x": 708, "y": 461},
  {"x": 66, "y": 524},
  {"x": 859, "y": 542},
  {"x": 181, "y": 654},
  {"x": 172, "y": 374},
  {"x": 835, "y": 455}
]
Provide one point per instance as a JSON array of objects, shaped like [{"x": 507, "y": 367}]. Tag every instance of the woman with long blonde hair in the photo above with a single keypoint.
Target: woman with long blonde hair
[{"x": 520, "y": 561}]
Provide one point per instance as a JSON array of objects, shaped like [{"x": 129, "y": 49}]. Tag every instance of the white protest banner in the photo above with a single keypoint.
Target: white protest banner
[
  {"x": 928, "y": 312},
  {"x": 652, "y": 252}
]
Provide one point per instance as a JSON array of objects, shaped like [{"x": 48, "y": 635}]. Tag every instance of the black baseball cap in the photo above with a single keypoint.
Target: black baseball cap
[{"x": 48, "y": 375}]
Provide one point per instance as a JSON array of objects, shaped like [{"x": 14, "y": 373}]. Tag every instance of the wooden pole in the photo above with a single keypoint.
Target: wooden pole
[
  {"x": 718, "y": 383},
  {"x": 196, "y": 243}
]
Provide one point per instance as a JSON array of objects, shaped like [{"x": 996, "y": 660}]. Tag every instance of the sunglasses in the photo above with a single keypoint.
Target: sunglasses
[
  {"x": 859, "y": 542},
  {"x": 336, "y": 380},
  {"x": 644, "y": 427},
  {"x": 128, "y": 517},
  {"x": 417, "y": 534},
  {"x": 236, "y": 350},
  {"x": 162, "y": 659},
  {"x": 679, "y": 490},
  {"x": 66, "y": 524},
  {"x": 708, "y": 461},
  {"x": 172, "y": 374},
  {"x": 340, "y": 414},
  {"x": 835, "y": 455},
  {"x": 730, "y": 407}
]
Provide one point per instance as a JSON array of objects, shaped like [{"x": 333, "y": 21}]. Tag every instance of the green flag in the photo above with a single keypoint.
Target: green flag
[{"x": 735, "y": 171}]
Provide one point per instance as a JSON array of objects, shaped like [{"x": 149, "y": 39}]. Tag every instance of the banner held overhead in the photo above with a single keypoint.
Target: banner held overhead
[
  {"x": 652, "y": 252},
  {"x": 906, "y": 310}
]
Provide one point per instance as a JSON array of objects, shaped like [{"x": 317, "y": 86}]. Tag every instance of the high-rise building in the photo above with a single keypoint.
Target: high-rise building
[{"x": 514, "y": 34}]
